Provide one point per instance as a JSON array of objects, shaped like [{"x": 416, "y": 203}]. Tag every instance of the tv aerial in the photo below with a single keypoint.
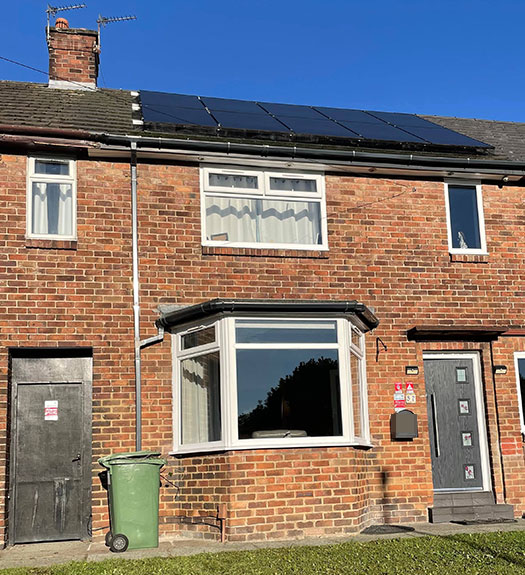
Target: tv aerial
[
  {"x": 103, "y": 21},
  {"x": 52, "y": 11}
]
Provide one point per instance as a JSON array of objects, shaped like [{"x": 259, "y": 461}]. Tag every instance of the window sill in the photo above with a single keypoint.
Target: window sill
[
  {"x": 264, "y": 252},
  {"x": 470, "y": 258},
  {"x": 269, "y": 446},
  {"x": 51, "y": 244}
]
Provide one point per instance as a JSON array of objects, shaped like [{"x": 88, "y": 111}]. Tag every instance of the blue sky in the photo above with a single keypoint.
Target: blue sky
[{"x": 443, "y": 57}]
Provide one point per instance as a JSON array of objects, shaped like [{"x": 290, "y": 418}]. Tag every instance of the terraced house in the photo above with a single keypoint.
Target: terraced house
[{"x": 316, "y": 314}]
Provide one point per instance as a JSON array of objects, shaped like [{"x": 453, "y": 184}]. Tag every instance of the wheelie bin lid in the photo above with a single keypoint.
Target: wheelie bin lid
[{"x": 151, "y": 457}]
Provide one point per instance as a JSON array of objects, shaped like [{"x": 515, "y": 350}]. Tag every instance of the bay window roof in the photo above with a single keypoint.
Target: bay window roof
[{"x": 359, "y": 312}]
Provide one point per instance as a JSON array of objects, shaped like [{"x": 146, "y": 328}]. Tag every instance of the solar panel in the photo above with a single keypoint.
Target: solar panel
[
  {"x": 236, "y": 106},
  {"x": 381, "y": 131},
  {"x": 180, "y": 109},
  {"x": 249, "y": 121},
  {"x": 320, "y": 127},
  {"x": 290, "y": 110}
]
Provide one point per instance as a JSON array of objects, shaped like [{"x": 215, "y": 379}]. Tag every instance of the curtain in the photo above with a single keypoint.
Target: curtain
[
  {"x": 200, "y": 399},
  {"x": 263, "y": 221},
  {"x": 52, "y": 209}
]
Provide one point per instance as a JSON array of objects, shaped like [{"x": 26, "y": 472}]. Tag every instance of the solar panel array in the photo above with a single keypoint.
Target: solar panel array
[{"x": 195, "y": 111}]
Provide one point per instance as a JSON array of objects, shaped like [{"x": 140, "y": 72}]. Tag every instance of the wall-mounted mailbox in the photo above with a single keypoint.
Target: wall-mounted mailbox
[{"x": 403, "y": 425}]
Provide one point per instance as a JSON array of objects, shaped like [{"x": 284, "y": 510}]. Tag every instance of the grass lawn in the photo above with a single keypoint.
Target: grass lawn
[{"x": 480, "y": 554}]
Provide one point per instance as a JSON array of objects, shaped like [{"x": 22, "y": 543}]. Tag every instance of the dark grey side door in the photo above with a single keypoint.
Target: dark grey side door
[
  {"x": 453, "y": 424},
  {"x": 51, "y": 449}
]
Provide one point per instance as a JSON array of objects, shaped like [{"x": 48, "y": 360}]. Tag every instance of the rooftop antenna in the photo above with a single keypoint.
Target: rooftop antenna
[
  {"x": 52, "y": 11},
  {"x": 103, "y": 20}
]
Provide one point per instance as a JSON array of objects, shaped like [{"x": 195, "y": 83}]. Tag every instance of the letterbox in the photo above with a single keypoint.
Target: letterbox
[{"x": 403, "y": 425}]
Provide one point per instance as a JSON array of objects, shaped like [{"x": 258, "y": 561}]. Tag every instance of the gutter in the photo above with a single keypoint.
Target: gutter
[
  {"x": 269, "y": 306},
  {"x": 351, "y": 156}
]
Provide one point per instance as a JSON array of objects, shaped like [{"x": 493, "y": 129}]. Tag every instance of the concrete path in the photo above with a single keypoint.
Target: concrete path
[{"x": 44, "y": 554}]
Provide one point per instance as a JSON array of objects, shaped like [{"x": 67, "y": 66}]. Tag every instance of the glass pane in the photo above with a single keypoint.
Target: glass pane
[
  {"x": 288, "y": 222},
  {"x": 52, "y": 209},
  {"x": 356, "y": 395},
  {"x": 200, "y": 399},
  {"x": 293, "y": 185},
  {"x": 263, "y": 221},
  {"x": 269, "y": 331},
  {"x": 521, "y": 370},
  {"x": 234, "y": 181},
  {"x": 288, "y": 393},
  {"x": 231, "y": 219},
  {"x": 464, "y": 219},
  {"x": 196, "y": 338},
  {"x": 52, "y": 167}
]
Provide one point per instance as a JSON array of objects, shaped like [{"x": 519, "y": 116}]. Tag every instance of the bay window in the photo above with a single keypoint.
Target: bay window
[
  {"x": 263, "y": 209},
  {"x": 247, "y": 382}
]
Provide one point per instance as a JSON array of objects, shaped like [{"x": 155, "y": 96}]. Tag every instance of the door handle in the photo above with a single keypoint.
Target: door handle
[
  {"x": 77, "y": 457},
  {"x": 436, "y": 426}
]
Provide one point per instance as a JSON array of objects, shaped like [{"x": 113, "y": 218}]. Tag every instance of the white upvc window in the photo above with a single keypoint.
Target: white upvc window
[
  {"x": 261, "y": 382},
  {"x": 465, "y": 221},
  {"x": 519, "y": 364},
  {"x": 263, "y": 209},
  {"x": 51, "y": 198}
]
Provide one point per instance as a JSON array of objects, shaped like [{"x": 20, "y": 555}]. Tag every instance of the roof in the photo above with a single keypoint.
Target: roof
[
  {"x": 114, "y": 111},
  {"x": 28, "y": 104}
]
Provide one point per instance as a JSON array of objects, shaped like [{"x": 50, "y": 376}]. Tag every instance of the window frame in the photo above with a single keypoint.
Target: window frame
[
  {"x": 481, "y": 218},
  {"x": 227, "y": 347},
  {"x": 263, "y": 192},
  {"x": 519, "y": 355},
  {"x": 33, "y": 177}
]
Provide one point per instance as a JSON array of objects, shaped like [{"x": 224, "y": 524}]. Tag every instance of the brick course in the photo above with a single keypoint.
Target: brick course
[{"x": 388, "y": 249}]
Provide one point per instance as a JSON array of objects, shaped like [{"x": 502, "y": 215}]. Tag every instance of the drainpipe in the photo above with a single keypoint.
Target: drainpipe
[
  {"x": 136, "y": 298},
  {"x": 139, "y": 344}
]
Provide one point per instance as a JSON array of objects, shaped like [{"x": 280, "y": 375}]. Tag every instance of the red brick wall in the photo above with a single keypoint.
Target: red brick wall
[{"x": 391, "y": 254}]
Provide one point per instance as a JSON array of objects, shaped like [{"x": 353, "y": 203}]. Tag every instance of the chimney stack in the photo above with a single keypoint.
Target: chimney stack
[{"x": 73, "y": 57}]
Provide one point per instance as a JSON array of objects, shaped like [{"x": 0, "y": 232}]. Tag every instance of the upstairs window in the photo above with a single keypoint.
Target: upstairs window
[
  {"x": 519, "y": 358},
  {"x": 51, "y": 198},
  {"x": 263, "y": 209},
  {"x": 466, "y": 229}
]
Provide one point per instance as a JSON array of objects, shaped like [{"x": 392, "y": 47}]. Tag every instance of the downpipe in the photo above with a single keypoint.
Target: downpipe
[{"x": 138, "y": 343}]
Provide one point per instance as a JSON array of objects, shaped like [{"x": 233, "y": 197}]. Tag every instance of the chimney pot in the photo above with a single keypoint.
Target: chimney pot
[{"x": 61, "y": 23}]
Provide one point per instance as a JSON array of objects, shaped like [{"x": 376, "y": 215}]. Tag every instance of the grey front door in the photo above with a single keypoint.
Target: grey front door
[
  {"x": 453, "y": 424},
  {"x": 50, "y": 478}
]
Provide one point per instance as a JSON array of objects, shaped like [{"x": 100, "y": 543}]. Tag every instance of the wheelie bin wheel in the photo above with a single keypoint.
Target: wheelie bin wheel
[
  {"x": 109, "y": 539},
  {"x": 119, "y": 543}
]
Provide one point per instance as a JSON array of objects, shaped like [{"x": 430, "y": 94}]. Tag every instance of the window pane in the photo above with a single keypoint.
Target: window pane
[
  {"x": 52, "y": 209},
  {"x": 356, "y": 395},
  {"x": 231, "y": 219},
  {"x": 196, "y": 338},
  {"x": 200, "y": 399},
  {"x": 263, "y": 221},
  {"x": 52, "y": 167},
  {"x": 288, "y": 393},
  {"x": 234, "y": 181},
  {"x": 521, "y": 370},
  {"x": 287, "y": 222},
  {"x": 268, "y": 331},
  {"x": 293, "y": 185},
  {"x": 464, "y": 219}
]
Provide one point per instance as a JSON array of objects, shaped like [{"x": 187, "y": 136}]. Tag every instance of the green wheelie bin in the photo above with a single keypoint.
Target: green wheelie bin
[{"x": 133, "y": 496}]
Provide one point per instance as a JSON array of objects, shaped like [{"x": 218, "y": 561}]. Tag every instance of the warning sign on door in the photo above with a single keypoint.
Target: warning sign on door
[{"x": 51, "y": 410}]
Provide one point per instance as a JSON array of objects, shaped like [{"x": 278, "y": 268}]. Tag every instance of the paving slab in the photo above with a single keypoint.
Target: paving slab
[{"x": 45, "y": 554}]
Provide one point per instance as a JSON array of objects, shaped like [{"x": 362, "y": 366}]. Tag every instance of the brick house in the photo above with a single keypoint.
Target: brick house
[{"x": 254, "y": 290}]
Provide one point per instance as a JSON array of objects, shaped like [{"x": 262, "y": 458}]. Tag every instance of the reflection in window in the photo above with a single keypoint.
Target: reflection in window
[{"x": 288, "y": 392}]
